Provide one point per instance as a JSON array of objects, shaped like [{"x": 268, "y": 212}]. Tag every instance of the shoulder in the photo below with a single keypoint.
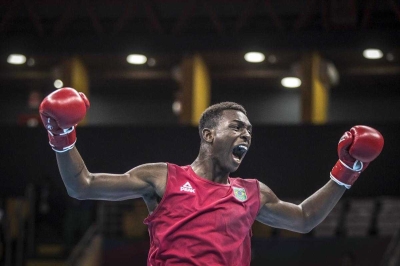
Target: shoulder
[
  {"x": 157, "y": 174},
  {"x": 154, "y": 174},
  {"x": 150, "y": 170},
  {"x": 266, "y": 194}
]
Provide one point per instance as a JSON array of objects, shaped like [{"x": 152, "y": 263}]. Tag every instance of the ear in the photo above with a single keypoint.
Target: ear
[{"x": 208, "y": 135}]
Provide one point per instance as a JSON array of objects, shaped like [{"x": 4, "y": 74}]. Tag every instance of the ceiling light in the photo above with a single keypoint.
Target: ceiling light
[
  {"x": 136, "y": 59},
  {"x": 16, "y": 59},
  {"x": 372, "y": 53},
  {"x": 254, "y": 57},
  {"x": 291, "y": 82},
  {"x": 177, "y": 107},
  {"x": 58, "y": 83}
]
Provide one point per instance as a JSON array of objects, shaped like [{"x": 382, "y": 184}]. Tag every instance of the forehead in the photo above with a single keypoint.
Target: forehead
[{"x": 234, "y": 115}]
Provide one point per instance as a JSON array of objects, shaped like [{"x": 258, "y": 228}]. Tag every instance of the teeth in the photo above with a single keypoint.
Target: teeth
[{"x": 243, "y": 147}]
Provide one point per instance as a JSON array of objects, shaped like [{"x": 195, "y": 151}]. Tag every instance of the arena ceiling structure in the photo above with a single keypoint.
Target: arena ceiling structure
[{"x": 104, "y": 32}]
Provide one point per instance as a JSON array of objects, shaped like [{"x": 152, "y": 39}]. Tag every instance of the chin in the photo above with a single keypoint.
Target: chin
[
  {"x": 234, "y": 167},
  {"x": 234, "y": 170}
]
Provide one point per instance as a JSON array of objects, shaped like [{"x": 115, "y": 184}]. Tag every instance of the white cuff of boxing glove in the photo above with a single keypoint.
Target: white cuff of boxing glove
[
  {"x": 65, "y": 131},
  {"x": 357, "y": 166},
  {"x": 64, "y": 148},
  {"x": 340, "y": 183}
]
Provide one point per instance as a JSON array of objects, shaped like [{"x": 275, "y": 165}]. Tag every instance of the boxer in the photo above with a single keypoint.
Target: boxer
[{"x": 198, "y": 214}]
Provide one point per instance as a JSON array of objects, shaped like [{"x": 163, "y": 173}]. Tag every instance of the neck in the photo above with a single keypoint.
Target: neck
[{"x": 205, "y": 167}]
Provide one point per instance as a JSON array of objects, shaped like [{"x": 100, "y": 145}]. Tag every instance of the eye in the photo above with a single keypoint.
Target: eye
[{"x": 235, "y": 127}]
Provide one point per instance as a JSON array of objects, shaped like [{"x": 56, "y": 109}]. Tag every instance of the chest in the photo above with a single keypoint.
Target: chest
[{"x": 219, "y": 206}]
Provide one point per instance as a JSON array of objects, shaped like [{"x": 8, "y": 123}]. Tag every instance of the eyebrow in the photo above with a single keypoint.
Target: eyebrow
[{"x": 243, "y": 123}]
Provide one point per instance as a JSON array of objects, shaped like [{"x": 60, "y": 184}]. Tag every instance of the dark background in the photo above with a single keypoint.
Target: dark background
[
  {"x": 102, "y": 34},
  {"x": 131, "y": 120}
]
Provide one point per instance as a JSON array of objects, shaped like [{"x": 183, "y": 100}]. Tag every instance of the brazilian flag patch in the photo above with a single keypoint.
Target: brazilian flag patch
[{"x": 240, "y": 193}]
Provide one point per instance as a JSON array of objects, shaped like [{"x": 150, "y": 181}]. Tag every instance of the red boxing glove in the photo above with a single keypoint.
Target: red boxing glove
[
  {"x": 356, "y": 149},
  {"x": 60, "y": 112}
]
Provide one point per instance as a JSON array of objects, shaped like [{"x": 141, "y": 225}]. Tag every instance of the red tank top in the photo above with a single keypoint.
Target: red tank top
[{"x": 199, "y": 222}]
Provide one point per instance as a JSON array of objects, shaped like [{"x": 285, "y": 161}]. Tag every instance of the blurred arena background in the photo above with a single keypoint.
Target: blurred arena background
[{"x": 194, "y": 53}]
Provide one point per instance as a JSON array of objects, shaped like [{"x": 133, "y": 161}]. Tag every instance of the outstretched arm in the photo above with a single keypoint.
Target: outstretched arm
[
  {"x": 140, "y": 181},
  {"x": 60, "y": 112},
  {"x": 356, "y": 149},
  {"x": 300, "y": 218}
]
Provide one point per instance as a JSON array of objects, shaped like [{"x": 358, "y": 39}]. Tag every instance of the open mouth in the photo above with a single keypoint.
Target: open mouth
[{"x": 239, "y": 152}]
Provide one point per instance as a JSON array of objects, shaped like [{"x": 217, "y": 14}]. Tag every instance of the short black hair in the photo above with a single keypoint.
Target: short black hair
[{"x": 210, "y": 117}]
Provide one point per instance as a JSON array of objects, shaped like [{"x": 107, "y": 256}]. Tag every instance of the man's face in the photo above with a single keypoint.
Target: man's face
[{"x": 232, "y": 139}]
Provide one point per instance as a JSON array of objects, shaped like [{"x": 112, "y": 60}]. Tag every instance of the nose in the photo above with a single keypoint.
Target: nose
[{"x": 246, "y": 136}]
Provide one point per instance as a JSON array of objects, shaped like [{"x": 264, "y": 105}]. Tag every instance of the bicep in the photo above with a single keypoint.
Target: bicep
[
  {"x": 277, "y": 213},
  {"x": 141, "y": 180}
]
